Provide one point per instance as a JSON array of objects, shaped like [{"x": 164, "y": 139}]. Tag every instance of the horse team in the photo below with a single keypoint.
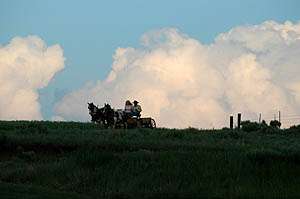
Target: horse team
[{"x": 111, "y": 118}]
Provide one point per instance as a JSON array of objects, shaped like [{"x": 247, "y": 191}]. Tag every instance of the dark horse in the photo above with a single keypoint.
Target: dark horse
[
  {"x": 109, "y": 115},
  {"x": 106, "y": 116},
  {"x": 96, "y": 113}
]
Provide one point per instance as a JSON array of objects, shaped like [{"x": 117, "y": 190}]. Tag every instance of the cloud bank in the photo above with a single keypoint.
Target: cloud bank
[
  {"x": 181, "y": 82},
  {"x": 26, "y": 65}
]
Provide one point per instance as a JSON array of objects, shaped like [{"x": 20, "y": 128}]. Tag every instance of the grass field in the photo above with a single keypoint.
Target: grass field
[{"x": 81, "y": 160}]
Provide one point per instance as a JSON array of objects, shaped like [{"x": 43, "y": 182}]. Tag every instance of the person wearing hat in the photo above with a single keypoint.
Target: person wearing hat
[{"x": 137, "y": 109}]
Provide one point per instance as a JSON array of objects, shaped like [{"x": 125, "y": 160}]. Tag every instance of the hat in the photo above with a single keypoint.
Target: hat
[{"x": 135, "y": 102}]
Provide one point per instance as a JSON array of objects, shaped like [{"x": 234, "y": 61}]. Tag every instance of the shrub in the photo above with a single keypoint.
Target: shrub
[
  {"x": 249, "y": 126},
  {"x": 275, "y": 124}
]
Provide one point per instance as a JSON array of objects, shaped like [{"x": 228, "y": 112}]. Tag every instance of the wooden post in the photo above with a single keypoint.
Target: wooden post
[
  {"x": 279, "y": 116},
  {"x": 239, "y": 119},
  {"x": 259, "y": 120},
  {"x": 231, "y": 122}
]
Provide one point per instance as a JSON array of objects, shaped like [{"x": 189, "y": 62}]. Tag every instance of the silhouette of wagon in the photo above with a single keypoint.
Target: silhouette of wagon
[
  {"x": 111, "y": 118},
  {"x": 147, "y": 122}
]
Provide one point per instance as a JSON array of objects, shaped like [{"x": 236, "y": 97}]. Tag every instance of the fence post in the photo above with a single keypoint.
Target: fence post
[
  {"x": 239, "y": 120},
  {"x": 231, "y": 122}
]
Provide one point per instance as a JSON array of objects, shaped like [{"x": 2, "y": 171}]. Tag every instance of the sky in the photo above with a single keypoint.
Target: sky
[{"x": 90, "y": 32}]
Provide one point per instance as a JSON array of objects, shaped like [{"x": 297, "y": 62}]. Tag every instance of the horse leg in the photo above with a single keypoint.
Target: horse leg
[{"x": 115, "y": 122}]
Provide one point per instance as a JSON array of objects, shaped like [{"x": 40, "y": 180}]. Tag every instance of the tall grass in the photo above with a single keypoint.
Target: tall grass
[{"x": 145, "y": 163}]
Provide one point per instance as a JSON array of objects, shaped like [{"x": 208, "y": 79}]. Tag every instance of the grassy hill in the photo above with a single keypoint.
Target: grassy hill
[{"x": 73, "y": 160}]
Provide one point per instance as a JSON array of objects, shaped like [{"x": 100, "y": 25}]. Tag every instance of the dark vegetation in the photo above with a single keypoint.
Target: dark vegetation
[
  {"x": 81, "y": 160},
  {"x": 248, "y": 126}
]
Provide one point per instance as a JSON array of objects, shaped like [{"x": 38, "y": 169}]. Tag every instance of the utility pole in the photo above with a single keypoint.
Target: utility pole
[
  {"x": 231, "y": 122},
  {"x": 279, "y": 116},
  {"x": 259, "y": 119},
  {"x": 239, "y": 119}
]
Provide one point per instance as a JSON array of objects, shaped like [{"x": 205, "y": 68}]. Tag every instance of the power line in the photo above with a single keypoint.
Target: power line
[{"x": 295, "y": 118}]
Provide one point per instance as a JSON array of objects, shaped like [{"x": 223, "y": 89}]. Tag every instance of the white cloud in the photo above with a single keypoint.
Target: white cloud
[
  {"x": 26, "y": 65},
  {"x": 182, "y": 82}
]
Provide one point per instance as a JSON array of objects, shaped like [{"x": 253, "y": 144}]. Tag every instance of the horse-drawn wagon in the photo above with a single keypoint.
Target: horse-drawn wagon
[
  {"x": 111, "y": 118},
  {"x": 147, "y": 122}
]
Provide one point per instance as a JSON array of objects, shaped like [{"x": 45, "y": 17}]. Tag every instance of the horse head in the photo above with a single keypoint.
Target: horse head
[
  {"x": 107, "y": 106},
  {"x": 95, "y": 112},
  {"x": 90, "y": 105}
]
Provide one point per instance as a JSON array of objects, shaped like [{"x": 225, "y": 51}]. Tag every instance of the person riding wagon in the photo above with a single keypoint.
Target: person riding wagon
[
  {"x": 128, "y": 109},
  {"x": 132, "y": 110},
  {"x": 137, "y": 109}
]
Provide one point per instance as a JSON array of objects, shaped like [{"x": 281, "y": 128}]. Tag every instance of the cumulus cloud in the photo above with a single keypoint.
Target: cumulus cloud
[
  {"x": 182, "y": 82},
  {"x": 26, "y": 65}
]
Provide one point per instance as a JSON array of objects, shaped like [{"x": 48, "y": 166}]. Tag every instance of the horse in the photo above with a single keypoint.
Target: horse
[
  {"x": 107, "y": 116},
  {"x": 114, "y": 118},
  {"x": 96, "y": 114}
]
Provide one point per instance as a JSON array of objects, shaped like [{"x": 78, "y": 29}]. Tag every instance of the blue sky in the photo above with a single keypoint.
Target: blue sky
[{"x": 90, "y": 31}]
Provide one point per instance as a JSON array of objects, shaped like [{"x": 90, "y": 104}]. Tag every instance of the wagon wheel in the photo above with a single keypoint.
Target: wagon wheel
[{"x": 152, "y": 124}]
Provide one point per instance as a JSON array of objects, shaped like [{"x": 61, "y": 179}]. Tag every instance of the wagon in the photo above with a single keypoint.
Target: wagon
[
  {"x": 147, "y": 122},
  {"x": 111, "y": 118}
]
